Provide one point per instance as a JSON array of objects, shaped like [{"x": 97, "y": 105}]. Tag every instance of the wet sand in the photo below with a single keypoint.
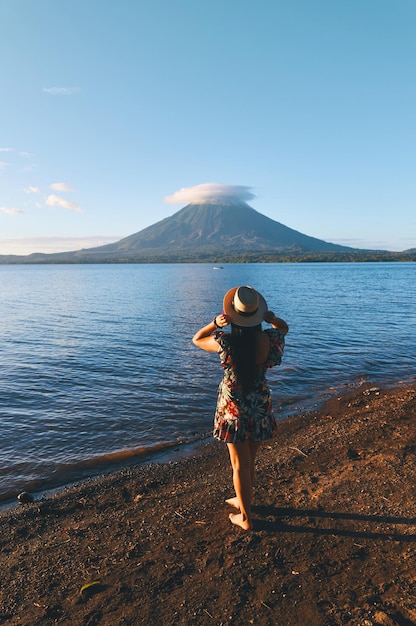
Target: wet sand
[{"x": 334, "y": 539}]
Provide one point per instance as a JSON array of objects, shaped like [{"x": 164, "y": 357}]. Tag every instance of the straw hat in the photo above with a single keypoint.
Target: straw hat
[{"x": 244, "y": 306}]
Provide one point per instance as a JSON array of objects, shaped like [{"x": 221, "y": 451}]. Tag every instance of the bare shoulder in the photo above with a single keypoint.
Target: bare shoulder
[{"x": 262, "y": 347}]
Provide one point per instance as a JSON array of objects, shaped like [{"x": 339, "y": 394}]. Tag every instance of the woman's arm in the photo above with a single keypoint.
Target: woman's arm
[
  {"x": 276, "y": 322},
  {"x": 203, "y": 338}
]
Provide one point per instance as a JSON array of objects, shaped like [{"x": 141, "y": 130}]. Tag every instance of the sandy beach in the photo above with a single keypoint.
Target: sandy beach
[{"x": 334, "y": 540}]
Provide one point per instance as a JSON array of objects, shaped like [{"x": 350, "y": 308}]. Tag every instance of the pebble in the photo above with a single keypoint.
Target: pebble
[
  {"x": 25, "y": 498},
  {"x": 375, "y": 390}
]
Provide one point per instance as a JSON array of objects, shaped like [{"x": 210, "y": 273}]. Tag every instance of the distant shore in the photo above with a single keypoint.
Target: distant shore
[
  {"x": 85, "y": 257},
  {"x": 334, "y": 540}
]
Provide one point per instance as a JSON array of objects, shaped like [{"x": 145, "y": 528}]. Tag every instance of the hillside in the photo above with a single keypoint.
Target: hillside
[
  {"x": 226, "y": 225},
  {"x": 216, "y": 232},
  {"x": 223, "y": 230}
]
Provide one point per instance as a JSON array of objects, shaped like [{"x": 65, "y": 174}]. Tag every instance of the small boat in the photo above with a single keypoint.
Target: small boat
[{"x": 218, "y": 267}]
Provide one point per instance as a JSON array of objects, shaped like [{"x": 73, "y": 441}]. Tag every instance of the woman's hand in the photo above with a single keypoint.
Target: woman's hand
[
  {"x": 221, "y": 320},
  {"x": 269, "y": 316},
  {"x": 204, "y": 338},
  {"x": 276, "y": 322}
]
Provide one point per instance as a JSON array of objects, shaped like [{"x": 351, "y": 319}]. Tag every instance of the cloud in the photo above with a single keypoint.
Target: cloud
[
  {"x": 48, "y": 245},
  {"x": 6, "y": 149},
  {"x": 61, "y": 187},
  {"x": 3, "y": 164},
  {"x": 208, "y": 192},
  {"x": 26, "y": 155},
  {"x": 61, "y": 91},
  {"x": 32, "y": 189},
  {"x": 8, "y": 211},
  {"x": 57, "y": 201}
]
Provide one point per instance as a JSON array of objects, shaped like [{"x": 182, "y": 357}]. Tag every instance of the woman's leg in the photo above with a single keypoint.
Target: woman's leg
[
  {"x": 242, "y": 456},
  {"x": 253, "y": 448}
]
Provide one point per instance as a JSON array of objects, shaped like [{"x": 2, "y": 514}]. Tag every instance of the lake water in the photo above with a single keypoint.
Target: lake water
[{"x": 98, "y": 368}]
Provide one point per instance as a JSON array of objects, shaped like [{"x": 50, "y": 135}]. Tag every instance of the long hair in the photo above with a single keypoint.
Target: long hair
[{"x": 243, "y": 345}]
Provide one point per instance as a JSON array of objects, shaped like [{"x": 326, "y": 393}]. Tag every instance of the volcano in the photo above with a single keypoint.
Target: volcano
[{"x": 223, "y": 229}]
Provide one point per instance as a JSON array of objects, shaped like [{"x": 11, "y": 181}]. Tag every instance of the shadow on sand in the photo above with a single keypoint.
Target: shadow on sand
[{"x": 282, "y": 520}]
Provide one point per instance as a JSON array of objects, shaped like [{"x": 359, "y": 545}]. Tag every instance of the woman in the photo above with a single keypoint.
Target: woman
[{"x": 244, "y": 417}]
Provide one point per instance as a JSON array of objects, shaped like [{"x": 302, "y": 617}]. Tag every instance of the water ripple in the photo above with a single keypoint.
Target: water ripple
[{"x": 98, "y": 361}]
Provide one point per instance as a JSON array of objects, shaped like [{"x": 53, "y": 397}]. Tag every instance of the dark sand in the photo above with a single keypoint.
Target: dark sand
[{"x": 334, "y": 540}]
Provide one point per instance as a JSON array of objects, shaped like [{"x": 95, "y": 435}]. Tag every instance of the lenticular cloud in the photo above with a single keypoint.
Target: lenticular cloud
[{"x": 208, "y": 192}]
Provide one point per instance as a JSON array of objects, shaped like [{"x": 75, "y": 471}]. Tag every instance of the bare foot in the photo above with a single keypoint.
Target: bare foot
[
  {"x": 238, "y": 520},
  {"x": 233, "y": 502}
]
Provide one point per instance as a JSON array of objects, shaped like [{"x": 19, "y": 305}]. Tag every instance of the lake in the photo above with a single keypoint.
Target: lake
[{"x": 98, "y": 368}]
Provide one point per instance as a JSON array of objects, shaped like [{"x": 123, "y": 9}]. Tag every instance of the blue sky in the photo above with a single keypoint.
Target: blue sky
[{"x": 109, "y": 107}]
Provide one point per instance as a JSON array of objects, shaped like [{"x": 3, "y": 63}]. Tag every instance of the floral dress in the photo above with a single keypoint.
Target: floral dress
[{"x": 240, "y": 417}]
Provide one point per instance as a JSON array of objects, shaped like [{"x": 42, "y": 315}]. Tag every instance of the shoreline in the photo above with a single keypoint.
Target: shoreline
[
  {"x": 334, "y": 539},
  {"x": 41, "y": 489},
  {"x": 114, "y": 462}
]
